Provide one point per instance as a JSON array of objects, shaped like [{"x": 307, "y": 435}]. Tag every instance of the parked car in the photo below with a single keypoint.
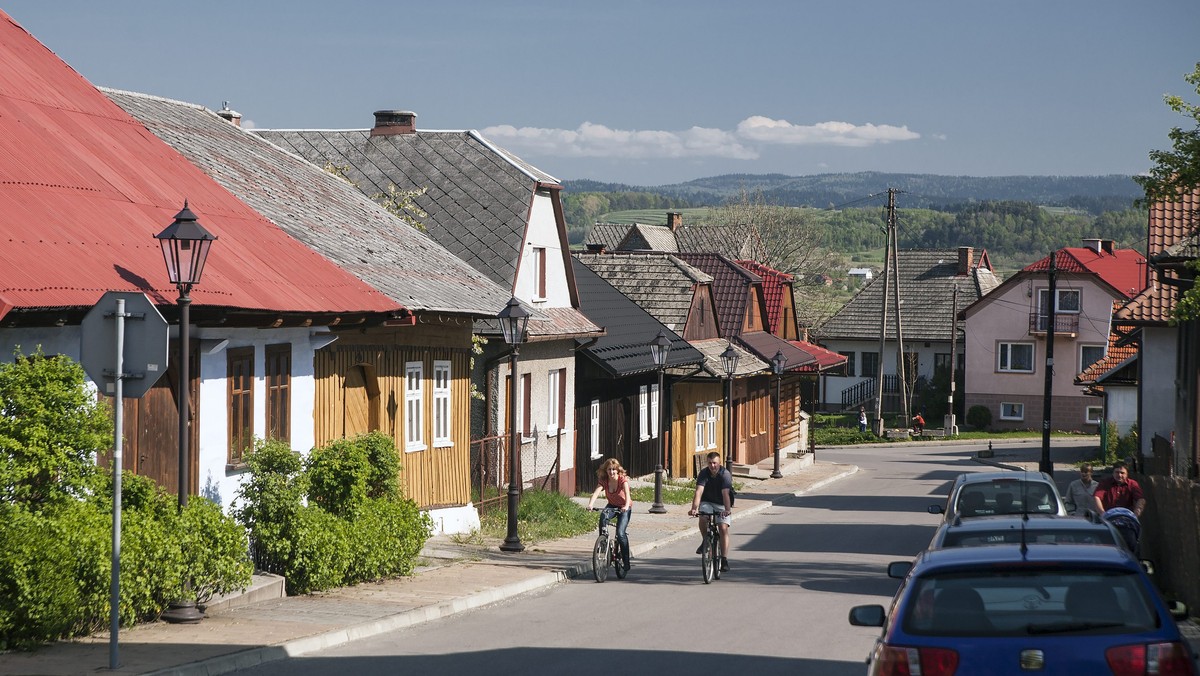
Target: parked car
[
  {"x": 1009, "y": 609},
  {"x": 1036, "y": 529},
  {"x": 1004, "y": 492}
]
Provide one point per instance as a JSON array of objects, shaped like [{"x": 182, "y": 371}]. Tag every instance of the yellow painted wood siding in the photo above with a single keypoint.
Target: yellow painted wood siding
[{"x": 684, "y": 398}]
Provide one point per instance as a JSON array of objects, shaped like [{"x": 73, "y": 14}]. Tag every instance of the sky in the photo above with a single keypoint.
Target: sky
[{"x": 654, "y": 92}]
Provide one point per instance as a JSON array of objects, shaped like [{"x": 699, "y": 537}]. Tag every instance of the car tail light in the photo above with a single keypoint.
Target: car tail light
[
  {"x": 901, "y": 661},
  {"x": 1157, "y": 659}
]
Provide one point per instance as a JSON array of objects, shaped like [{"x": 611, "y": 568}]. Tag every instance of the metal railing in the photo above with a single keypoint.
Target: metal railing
[{"x": 1063, "y": 323}]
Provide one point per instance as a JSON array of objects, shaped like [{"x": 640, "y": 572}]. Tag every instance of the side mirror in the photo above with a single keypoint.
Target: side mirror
[
  {"x": 867, "y": 616},
  {"x": 1070, "y": 506},
  {"x": 936, "y": 509},
  {"x": 1147, "y": 565},
  {"x": 1178, "y": 609},
  {"x": 899, "y": 569}
]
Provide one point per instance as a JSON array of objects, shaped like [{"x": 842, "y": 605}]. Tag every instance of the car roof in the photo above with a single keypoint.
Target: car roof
[
  {"x": 1065, "y": 556},
  {"x": 1013, "y": 475},
  {"x": 998, "y": 521}
]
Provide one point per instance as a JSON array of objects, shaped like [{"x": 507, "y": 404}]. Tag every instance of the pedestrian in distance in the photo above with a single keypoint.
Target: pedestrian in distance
[
  {"x": 1119, "y": 490},
  {"x": 1081, "y": 491},
  {"x": 918, "y": 424},
  {"x": 713, "y": 499},
  {"x": 613, "y": 481},
  {"x": 862, "y": 419}
]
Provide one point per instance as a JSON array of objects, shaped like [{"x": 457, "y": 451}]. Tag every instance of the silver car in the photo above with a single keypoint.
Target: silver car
[{"x": 1006, "y": 492}]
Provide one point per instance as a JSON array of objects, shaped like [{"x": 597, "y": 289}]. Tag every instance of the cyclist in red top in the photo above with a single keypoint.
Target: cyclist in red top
[
  {"x": 1119, "y": 491},
  {"x": 613, "y": 481}
]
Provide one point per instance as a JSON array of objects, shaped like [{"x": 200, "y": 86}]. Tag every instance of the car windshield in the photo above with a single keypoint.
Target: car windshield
[
  {"x": 1037, "y": 535},
  {"x": 1020, "y": 602},
  {"x": 1004, "y": 496}
]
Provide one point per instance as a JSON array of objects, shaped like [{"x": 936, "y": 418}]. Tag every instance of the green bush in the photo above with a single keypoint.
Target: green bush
[
  {"x": 39, "y": 599},
  {"x": 841, "y": 436},
  {"x": 356, "y": 526},
  {"x": 979, "y": 417}
]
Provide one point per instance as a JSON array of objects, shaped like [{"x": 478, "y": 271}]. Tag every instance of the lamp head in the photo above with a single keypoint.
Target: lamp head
[{"x": 185, "y": 244}]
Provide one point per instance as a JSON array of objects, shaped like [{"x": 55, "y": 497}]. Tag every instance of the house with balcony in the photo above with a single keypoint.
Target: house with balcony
[{"x": 1007, "y": 331}]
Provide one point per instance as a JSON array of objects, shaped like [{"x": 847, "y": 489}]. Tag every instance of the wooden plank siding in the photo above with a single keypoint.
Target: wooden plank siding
[
  {"x": 360, "y": 387},
  {"x": 685, "y": 396}
]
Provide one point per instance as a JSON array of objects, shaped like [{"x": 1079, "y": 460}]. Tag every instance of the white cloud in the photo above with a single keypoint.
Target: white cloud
[
  {"x": 765, "y": 130},
  {"x": 743, "y": 143}
]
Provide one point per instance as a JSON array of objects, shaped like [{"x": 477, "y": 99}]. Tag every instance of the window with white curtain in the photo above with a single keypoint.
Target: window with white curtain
[{"x": 414, "y": 406}]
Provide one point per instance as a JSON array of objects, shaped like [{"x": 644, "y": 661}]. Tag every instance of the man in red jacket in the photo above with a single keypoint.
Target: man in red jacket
[{"x": 1119, "y": 490}]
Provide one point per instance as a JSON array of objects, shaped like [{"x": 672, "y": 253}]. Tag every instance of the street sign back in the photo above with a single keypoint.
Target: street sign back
[{"x": 145, "y": 353}]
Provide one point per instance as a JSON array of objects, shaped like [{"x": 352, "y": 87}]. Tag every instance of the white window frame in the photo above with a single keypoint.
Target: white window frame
[
  {"x": 1097, "y": 418},
  {"x": 644, "y": 412},
  {"x": 595, "y": 428},
  {"x": 1083, "y": 362},
  {"x": 540, "y": 287},
  {"x": 1059, "y": 308},
  {"x": 552, "y": 403},
  {"x": 711, "y": 423},
  {"x": 442, "y": 404},
  {"x": 655, "y": 420},
  {"x": 414, "y": 406},
  {"x": 701, "y": 420},
  {"x": 1004, "y": 355},
  {"x": 1016, "y": 410}
]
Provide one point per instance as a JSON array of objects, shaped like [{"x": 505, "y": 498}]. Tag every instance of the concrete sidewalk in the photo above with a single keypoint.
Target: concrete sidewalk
[{"x": 454, "y": 577}]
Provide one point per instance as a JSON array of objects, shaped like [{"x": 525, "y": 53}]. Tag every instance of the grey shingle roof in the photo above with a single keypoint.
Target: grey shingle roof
[
  {"x": 731, "y": 241},
  {"x": 320, "y": 210},
  {"x": 927, "y": 280},
  {"x": 607, "y": 234},
  {"x": 732, "y": 285},
  {"x": 477, "y": 196},
  {"x": 661, "y": 284},
  {"x": 649, "y": 238}
]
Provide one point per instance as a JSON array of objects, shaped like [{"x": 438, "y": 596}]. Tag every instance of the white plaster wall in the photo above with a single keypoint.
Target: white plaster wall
[
  {"x": 543, "y": 233},
  {"x": 1121, "y": 403},
  {"x": 64, "y": 340},
  {"x": 1159, "y": 388},
  {"x": 538, "y": 451}
]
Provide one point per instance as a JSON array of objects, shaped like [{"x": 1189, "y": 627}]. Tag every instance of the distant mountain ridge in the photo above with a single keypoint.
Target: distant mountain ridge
[{"x": 1092, "y": 193}]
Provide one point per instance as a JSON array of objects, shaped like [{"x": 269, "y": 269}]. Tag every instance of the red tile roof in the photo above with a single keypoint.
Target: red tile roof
[
  {"x": 84, "y": 188},
  {"x": 1122, "y": 269},
  {"x": 1171, "y": 222},
  {"x": 1115, "y": 356},
  {"x": 823, "y": 359},
  {"x": 773, "y": 282},
  {"x": 1152, "y": 306}
]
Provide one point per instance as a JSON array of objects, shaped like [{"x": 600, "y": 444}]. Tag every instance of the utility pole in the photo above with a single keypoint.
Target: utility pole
[
  {"x": 901, "y": 379},
  {"x": 950, "y": 424},
  {"x": 1051, "y": 306},
  {"x": 887, "y": 279}
]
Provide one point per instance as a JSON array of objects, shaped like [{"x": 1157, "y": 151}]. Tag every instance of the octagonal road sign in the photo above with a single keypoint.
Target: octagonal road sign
[{"x": 145, "y": 353}]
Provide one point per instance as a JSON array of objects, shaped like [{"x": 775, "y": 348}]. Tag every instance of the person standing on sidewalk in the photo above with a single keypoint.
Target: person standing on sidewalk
[
  {"x": 613, "y": 481},
  {"x": 714, "y": 485},
  {"x": 1119, "y": 490},
  {"x": 862, "y": 419},
  {"x": 1081, "y": 491}
]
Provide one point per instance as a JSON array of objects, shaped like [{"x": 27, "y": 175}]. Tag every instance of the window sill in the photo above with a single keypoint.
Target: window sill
[
  {"x": 415, "y": 449},
  {"x": 444, "y": 444},
  {"x": 236, "y": 468}
]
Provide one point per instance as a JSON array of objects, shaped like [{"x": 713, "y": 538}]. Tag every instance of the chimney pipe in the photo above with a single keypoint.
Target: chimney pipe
[
  {"x": 390, "y": 122},
  {"x": 229, "y": 115}
]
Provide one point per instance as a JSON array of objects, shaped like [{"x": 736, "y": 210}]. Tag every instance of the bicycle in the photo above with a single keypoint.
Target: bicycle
[
  {"x": 607, "y": 550},
  {"x": 711, "y": 552}
]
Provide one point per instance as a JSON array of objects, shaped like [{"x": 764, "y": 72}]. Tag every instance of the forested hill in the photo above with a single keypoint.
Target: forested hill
[{"x": 1094, "y": 194}]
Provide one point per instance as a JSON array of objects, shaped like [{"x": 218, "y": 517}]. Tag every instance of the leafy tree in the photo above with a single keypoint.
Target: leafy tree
[
  {"x": 51, "y": 426},
  {"x": 1176, "y": 172}
]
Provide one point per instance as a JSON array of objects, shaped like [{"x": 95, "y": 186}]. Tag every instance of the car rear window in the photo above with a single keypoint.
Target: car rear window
[
  {"x": 1004, "y": 496},
  {"x": 1008, "y": 602},
  {"x": 1045, "y": 536}
]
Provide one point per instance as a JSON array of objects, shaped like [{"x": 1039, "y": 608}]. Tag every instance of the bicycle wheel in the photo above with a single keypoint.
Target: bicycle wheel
[
  {"x": 618, "y": 559},
  {"x": 706, "y": 561},
  {"x": 600, "y": 559},
  {"x": 717, "y": 554}
]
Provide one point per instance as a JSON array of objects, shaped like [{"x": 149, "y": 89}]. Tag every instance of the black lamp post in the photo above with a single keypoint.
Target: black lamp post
[
  {"x": 777, "y": 364},
  {"x": 729, "y": 359},
  {"x": 659, "y": 347},
  {"x": 513, "y": 321},
  {"x": 185, "y": 244}
]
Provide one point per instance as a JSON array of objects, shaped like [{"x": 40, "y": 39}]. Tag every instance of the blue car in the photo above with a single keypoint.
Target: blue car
[{"x": 1026, "y": 609}]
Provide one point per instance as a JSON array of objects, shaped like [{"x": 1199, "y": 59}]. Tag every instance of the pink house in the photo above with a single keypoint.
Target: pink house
[{"x": 1006, "y": 336}]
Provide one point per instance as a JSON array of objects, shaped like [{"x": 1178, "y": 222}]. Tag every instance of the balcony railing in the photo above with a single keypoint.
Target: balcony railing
[{"x": 1063, "y": 323}]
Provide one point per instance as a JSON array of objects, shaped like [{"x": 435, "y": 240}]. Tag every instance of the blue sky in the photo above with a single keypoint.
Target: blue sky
[{"x": 654, "y": 92}]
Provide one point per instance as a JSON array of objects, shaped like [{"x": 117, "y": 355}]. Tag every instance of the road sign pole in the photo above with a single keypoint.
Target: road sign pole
[{"x": 114, "y": 611}]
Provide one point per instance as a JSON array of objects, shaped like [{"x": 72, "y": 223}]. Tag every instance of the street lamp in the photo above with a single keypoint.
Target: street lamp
[
  {"x": 777, "y": 364},
  {"x": 659, "y": 347},
  {"x": 513, "y": 321},
  {"x": 729, "y": 359},
  {"x": 185, "y": 244}
]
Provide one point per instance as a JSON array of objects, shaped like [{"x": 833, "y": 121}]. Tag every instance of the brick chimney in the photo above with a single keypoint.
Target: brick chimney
[
  {"x": 389, "y": 122},
  {"x": 674, "y": 220},
  {"x": 229, "y": 115},
  {"x": 966, "y": 259}
]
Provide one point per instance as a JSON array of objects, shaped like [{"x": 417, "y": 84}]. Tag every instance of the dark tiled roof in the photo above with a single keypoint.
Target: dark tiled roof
[
  {"x": 731, "y": 241},
  {"x": 609, "y": 235},
  {"x": 477, "y": 195},
  {"x": 712, "y": 348},
  {"x": 765, "y": 346},
  {"x": 325, "y": 212},
  {"x": 661, "y": 284},
  {"x": 731, "y": 288},
  {"x": 624, "y": 349},
  {"x": 927, "y": 281},
  {"x": 773, "y": 284}
]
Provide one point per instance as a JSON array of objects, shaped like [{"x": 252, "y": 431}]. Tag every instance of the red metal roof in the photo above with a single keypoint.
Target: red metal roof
[
  {"x": 1122, "y": 269},
  {"x": 773, "y": 282},
  {"x": 84, "y": 188},
  {"x": 823, "y": 359}
]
